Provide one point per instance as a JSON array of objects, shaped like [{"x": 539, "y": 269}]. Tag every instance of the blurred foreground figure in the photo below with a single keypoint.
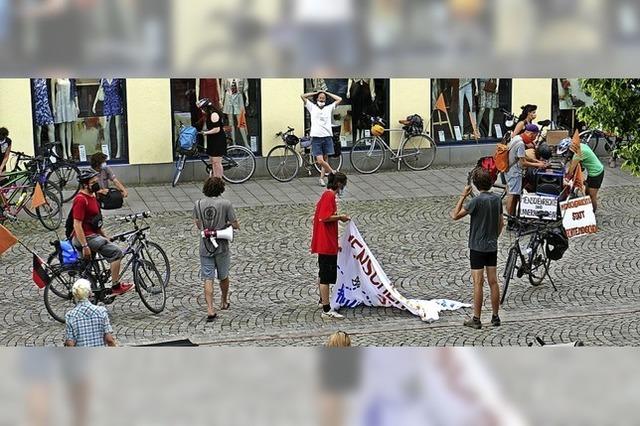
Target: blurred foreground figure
[{"x": 339, "y": 339}]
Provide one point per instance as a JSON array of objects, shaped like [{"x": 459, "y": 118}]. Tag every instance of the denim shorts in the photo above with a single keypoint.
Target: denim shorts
[
  {"x": 322, "y": 146},
  {"x": 216, "y": 266}
]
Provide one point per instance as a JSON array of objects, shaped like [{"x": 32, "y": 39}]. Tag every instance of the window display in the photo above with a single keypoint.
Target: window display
[
  {"x": 567, "y": 97},
  {"x": 239, "y": 99},
  {"x": 85, "y": 115},
  {"x": 361, "y": 97},
  {"x": 469, "y": 109}
]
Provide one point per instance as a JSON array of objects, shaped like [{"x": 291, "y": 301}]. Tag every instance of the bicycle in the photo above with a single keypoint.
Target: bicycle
[
  {"x": 16, "y": 193},
  {"x": 239, "y": 164},
  {"x": 149, "y": 263},
  {"x": 284, "y": 161},
  {"x": 534, "y": 261},
  {"x": 56, "y": 170},
  {"x": 416, "y": 150}
]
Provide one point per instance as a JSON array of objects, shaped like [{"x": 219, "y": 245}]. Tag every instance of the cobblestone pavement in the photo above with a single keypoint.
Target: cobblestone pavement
[{"x": 273, "y": 292}]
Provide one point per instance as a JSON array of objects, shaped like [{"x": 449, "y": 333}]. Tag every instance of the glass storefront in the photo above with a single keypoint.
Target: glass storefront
[
  {"x": 85, "y": 115},
  {"x": 238, "y": 98},
  {"x": 566, "y": 97},
  {"x": 361, "y": 97},
  {"x": 469, "y": 109}
]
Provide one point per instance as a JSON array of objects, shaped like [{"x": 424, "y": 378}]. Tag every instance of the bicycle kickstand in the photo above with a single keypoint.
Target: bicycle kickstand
[{"x": 551, "y": 280}]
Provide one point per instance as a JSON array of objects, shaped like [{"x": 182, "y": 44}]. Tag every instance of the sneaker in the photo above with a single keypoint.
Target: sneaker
[
  {"x": 332, "y": 314},
  {"x": 121, "y": 288},
  {"x": 322, "y": 182},
  {"x": 495, "y": 320},
  {"x": 473, "y": 323}
]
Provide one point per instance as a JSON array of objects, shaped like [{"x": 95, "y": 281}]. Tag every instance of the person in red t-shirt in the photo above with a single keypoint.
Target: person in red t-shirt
[
  {"x": 87, "y": 229},
  {"x": 324, "y": 239}
]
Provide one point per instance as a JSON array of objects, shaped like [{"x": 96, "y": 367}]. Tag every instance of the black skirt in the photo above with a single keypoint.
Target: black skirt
[{"x": 217, "y": 145}]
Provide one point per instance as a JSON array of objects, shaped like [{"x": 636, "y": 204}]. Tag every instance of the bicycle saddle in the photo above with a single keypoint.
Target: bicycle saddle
[{"x": 544, "y": 123}]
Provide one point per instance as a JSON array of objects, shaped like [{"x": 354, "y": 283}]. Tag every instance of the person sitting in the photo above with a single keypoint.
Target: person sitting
[{"x": 105, "y": 174}]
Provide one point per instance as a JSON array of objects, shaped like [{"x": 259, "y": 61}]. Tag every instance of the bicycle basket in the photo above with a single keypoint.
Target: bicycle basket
[
  {"x": 291, "y": 140},
  {"x": 305, "y": 141}
]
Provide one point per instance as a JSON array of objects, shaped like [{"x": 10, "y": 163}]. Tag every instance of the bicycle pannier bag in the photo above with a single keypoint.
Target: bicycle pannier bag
[
  {"x": 68, "y": 253},
  {"x": 112, "y": 200},
  {"x": 187, "y": 138}
]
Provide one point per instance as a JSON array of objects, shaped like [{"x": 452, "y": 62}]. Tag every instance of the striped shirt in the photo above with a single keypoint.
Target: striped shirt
[{"x": 86, "y": 324}]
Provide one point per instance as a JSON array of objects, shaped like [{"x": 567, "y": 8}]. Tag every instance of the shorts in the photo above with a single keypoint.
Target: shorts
[
  {"x": 328, "y": 268},
  {"x": 595, "y": 182},
  {"x": 216, "y": 266},
  {"x": 322, "y": 146},
  {"x": 480, "y": 259},
  {"x": 99, "y": 244},
  {"x": 233, "y": 104},
  {"x": 514, "y": 184}
]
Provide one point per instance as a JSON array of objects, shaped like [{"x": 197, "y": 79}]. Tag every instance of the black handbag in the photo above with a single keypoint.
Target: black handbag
[{"x": 111, "y": 200}]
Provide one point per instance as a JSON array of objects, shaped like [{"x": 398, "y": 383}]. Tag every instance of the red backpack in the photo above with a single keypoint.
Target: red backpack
[{"x": 489, "y": 164}]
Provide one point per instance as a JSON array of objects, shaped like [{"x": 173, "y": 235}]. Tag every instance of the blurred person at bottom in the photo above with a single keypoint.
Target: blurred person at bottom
[
  {"x": 339, "y": 339},
  {"x": 324, "y": 239},
  {"x": 486, "y": 225},
  {"x": 87, "y": 324},
  {"x": 214, "y": 213}
]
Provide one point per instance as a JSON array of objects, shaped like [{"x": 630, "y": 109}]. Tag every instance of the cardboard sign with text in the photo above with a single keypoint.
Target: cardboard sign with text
[
  {"x": 578, "y": 217},
  {"x": 538, "y": 206}
]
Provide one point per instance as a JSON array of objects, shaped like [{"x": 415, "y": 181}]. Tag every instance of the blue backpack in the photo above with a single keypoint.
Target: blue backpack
[
  {"x": 187, "y": 138},
  {"x": 68, "y": 253}
]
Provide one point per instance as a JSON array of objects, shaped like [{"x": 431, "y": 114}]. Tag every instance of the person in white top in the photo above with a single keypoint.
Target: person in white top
[{"x": 321, "y": 132}]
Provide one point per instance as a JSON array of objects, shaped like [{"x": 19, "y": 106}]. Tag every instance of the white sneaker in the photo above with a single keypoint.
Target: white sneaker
[
  {"x": 332, "y": 314},
  {"x": 322, "y": 182}
]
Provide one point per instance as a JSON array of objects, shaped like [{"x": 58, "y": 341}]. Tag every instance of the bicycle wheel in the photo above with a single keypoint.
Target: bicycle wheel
[
  {"x": 50, "y": 213},
  {"x": 367, "y": 155},
  {"x": 589, "y": 138},
  {"x": 65, "y": 175},
  {"x": 156, "y": 255},
  {"x": 539, "y": 264},
  {"x": 418, "y": 152},
  {"x": 149, "y": 285},
  {"x": 283, "y": 163},
  {"x": 239, "y": 164},
  {"x": 508, "y": 271},
  {"x": 334, "y": 162},
  {"x": 58, "y": 298},
  {"x": 180, "y": 162}
]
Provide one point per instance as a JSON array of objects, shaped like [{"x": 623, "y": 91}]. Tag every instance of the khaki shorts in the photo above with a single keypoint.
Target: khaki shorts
[{"x": 216, "y": 266}]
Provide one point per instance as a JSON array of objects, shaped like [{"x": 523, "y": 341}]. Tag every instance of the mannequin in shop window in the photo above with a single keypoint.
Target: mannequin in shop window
[
  {"x": 110, "y": 90},
  {"x": 362, "y": 92},
  {"x": 235, "y": 100},
  {"x": 488, "y": 100},
  {"x": 65, "y": 111},
  {"x": 465, "y": 92},
  {"x": 43, "y": 114}
]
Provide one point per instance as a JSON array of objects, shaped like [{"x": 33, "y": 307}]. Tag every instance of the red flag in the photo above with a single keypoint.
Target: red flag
[
  {"x": 7, "y": 239},
  {"x": 440, "y": 105},
  {"x": 40, "y": 276}
]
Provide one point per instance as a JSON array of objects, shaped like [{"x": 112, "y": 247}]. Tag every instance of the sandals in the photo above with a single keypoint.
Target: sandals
[
  {"x": 225, "y": 306},
  {"x": 210, "y": 318}
]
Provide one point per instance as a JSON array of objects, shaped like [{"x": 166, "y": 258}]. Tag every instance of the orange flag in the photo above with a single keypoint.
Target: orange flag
[
  {"x": 7, "y": 239},
  {"x": 440, "y": 105},
  {"x": 575, "y": 143},
  {"x": 578, "y": 178},
  {"x": 38, "y": 197},
  {"x": 242, "y": 121}
]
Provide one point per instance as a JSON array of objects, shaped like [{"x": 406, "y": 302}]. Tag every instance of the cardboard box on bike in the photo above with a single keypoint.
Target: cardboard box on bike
[{"x": 555, "y": 136}]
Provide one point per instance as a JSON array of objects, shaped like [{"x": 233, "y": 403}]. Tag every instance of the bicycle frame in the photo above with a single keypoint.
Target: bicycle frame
[
  {"x": 395, "y": 155},
  {"x": 13, "y": 187}
]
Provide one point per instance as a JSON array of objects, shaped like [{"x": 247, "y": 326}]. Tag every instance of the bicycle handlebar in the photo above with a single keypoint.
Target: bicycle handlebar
[
  {"x": 134, "y": 217},
  {"x": 289, "y": 130}
]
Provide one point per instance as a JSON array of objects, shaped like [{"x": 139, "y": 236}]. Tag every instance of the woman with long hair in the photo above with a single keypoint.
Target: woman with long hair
[
  {"x": 528, "y": 115},
  {"x": 216, "y": 137}
]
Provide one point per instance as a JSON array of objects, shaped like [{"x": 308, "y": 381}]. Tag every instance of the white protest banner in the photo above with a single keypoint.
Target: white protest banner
[
  {"x": 538, "y": 206},
  {"x": 578, "y": 217},
  {"x": 361, "y": 280}
]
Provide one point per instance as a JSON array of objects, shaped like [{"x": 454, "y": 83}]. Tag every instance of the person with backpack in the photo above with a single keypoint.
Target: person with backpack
[
  {"x": 581, "y": 155},
  {"x": 87, "y": 233},
  {"x": 517, "y": 161},
  {"x": 215, "y": 134},
  {"x": 486, "y": 226}
]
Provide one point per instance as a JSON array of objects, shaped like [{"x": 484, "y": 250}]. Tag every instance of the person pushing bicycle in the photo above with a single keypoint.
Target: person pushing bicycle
[{"x": 88, "y": 234}]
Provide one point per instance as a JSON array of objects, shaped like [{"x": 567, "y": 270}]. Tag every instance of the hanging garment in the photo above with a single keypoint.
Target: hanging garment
[
  {"x": 112, "y": 97},
  {"x": 487, "y": 99},
  {"x": 337, "y": 86},
  {"x": 361, "y": 103},
  {"x": 65, "y": 101},
  {"x": 43, "y": 107},
  {"x": 465, "y": 92},
  {"x": 209, "y": 89},
  {"x": 233, "y": 90}
]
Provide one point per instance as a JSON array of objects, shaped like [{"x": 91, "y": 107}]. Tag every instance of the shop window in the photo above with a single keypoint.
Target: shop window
[
  {"x": 566, "y": 97},
  {"x": 238, "y": 98},
  {"x": 85, "y": 115},
  {"x": 360, "y": 98},
  {"x": 469, "y": 109}
]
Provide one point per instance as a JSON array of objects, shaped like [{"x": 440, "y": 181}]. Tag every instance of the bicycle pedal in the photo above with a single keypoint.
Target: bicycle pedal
[{"x": 520, "y": 272}]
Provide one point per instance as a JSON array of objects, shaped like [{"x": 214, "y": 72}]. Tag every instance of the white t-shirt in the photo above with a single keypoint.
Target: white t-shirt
[{"x": 320, "y": 119}]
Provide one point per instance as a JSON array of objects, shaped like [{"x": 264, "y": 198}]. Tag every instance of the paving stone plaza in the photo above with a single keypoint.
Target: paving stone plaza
[{"x": 404, "y": 218}]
